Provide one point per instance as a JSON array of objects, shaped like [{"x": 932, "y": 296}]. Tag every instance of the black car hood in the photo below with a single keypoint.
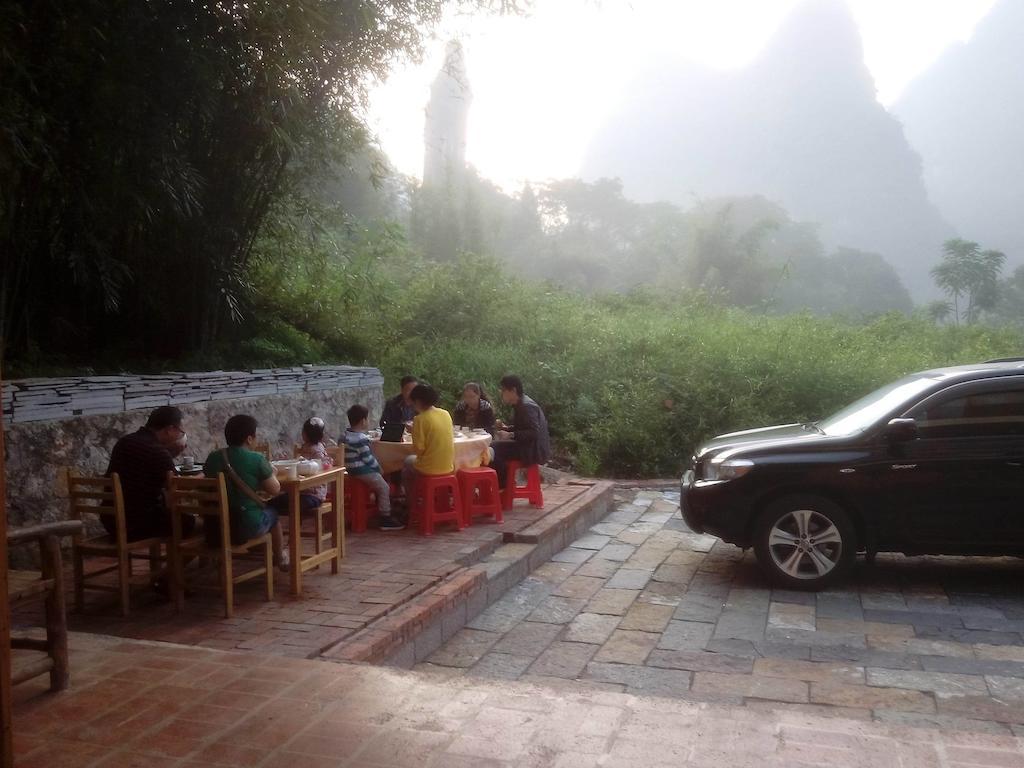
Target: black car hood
[{"x": 794, "y": 434}]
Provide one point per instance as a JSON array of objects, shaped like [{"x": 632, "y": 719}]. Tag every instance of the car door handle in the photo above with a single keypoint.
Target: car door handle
[
  {"x": 1013, "y": 463},
  {"x": 904, "y": 466}
]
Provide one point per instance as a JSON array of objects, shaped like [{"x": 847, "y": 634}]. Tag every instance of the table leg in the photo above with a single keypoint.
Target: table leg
[
  {"x": 339, "y": 524},
  {"x": 295, "y": 537}
]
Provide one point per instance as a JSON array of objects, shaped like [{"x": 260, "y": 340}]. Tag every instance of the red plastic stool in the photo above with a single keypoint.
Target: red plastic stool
[
  {"x": 437, "y": 501},
  {"x": 359, "y": 504},
  {"x": 531, "y": 490},
  {"x": 480, "y": 496}
]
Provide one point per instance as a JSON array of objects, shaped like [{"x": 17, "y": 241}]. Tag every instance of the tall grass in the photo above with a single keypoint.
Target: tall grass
[{"x": 631, "y": 384}]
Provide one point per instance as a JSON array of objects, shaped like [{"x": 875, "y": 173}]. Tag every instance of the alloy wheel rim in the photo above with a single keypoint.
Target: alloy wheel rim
[{"x": 805, "y": 544}]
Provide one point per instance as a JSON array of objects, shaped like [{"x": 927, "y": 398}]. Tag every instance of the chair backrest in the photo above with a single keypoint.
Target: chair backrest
[
  {"x": 263, "y": 448},
  {"x": 205, "y": 496},
  {"x": 337, "y": 454},
  {"x": 100, "y": 496}
]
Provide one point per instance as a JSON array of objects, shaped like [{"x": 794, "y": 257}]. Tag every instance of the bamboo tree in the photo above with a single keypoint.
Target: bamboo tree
[{"x": 144, "y": 144}]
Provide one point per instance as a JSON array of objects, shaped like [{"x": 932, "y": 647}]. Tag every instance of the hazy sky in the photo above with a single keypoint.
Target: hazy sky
[{"x": 542, "y": 83}]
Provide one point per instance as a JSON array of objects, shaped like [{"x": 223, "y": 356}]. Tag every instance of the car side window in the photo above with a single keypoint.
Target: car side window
[{"x": 992, "y": 413}]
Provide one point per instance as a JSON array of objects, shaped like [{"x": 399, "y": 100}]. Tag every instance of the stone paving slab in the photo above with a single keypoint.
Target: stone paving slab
[{"x": 657, "y": 610}]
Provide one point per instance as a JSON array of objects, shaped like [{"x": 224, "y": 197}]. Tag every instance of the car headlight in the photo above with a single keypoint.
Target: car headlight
[{"x": 719, "y": 470}]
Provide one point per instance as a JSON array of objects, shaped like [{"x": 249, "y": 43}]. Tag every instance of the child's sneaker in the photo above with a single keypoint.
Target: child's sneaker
[
  {"x": 388, "y": 523},
  {"x": 284, "y": 561}
]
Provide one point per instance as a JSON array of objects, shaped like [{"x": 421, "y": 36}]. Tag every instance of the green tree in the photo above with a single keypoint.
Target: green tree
[
  {"x": 968, "y": 273},
  {"x": 145, "y": 144},
  {"x": 939, "y": 311},
  {"x": 727, "y": 253},
  {"x": 1009, "y": 307}
]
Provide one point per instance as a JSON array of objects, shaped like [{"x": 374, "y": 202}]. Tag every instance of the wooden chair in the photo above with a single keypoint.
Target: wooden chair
[
  {"x": 324, "y": 515},
  {"x": 101, "y": 496},
  {"x": 208, "y": 497},
  {"x": 263, "y": 448},
  {"x": 25, "y": 586},
  {"x": 337, "y": 454}
]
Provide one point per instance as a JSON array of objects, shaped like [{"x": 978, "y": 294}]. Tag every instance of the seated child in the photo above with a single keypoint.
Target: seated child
[
  {"x": 312, "y": 448},
  {"x": 362, "y": 465}
]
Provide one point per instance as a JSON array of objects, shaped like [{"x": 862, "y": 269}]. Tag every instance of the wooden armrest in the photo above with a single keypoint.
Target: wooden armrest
[{"x": 34, "y": 532}]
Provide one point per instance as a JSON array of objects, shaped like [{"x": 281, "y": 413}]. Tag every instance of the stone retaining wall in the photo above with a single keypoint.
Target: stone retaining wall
[
  {"x": 42, "y": 399},
  {"x": 39, "y": 451}
]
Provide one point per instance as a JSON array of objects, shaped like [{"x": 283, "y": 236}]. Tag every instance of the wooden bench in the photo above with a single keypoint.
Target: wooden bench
[{"x": 47, "y": 583}]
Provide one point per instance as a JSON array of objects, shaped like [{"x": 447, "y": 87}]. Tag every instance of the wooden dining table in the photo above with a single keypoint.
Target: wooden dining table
[
  {"x": 334, "y": 553},
  {"x": 470, "y": 451}
]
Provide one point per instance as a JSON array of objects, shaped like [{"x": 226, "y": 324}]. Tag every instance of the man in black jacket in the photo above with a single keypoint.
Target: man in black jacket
[
  {"x": 526, "y": 440},
  {"x": 399, "y": 410}
]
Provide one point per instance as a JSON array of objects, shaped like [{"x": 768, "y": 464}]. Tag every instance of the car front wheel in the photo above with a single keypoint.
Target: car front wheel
[{"x": 804, "y": 542}]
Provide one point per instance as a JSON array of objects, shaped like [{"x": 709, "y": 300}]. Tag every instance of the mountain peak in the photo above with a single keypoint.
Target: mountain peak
[
  {"x": 964, "y": 115},
  {"x": 819, "y": 42},
  {"x": 801, "y": 126}
]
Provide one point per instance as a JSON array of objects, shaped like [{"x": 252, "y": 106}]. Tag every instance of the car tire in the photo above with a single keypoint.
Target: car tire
[{"x": 804, "y": 541}]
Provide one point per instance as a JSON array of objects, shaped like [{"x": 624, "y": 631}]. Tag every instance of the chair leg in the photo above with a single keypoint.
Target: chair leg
[
  {"x": 268, "y": 563},
  {"x": 318, "y": 523},
  {"x": 79, "y": 570},
  {"x": 338, "y": 528},
  {"x": 177, "y": 578},
  {"x": 154, "y": 560},
  {"x": 124, "y": 577},
  {"x": 426, "y": 519},
  {"x": 228, "y": 583},
  {"x": 56, "y": 619},
  {"x": 457, "y": 505}
]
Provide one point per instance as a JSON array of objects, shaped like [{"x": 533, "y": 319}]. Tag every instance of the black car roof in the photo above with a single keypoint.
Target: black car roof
[{"x": 977, "y": 371}]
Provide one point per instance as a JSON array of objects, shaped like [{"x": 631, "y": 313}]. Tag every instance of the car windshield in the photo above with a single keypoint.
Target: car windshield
[{"x": 869, "y": 409}]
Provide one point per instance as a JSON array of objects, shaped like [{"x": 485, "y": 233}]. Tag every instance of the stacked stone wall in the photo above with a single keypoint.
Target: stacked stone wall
[{"x": 40, "y": 448}]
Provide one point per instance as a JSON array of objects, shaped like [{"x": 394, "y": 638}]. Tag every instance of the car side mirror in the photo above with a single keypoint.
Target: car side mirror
[{"x": 901, "y": 430}]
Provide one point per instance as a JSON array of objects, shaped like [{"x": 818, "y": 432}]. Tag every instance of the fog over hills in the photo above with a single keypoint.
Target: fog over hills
[
  {"x": 965, "y": 116},
  {"x": 800, "y": 125}
]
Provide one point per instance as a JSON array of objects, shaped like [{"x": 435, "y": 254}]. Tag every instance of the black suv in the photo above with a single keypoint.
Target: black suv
[{"x": 931, "y": 464}]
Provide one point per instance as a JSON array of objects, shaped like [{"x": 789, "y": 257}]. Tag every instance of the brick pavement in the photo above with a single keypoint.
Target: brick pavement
[
  {"x": 381, "y": 573},
  {"x": 148, "y": 705},
  {"x": 643, "y": 605}
]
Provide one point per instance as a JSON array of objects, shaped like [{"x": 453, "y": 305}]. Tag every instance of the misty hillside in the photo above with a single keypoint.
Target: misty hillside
[
  {"x": 800, "y": 125},
  {"x": 965, "y": 116}
]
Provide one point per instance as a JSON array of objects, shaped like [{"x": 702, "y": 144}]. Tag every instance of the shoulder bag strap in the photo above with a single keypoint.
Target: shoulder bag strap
[{"x": 239, "y": 483}]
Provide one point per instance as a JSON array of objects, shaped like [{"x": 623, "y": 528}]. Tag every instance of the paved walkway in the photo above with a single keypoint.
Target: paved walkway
[
  {"x": 381, "y": 572},
  {"x": 642, "y": 605},
  {"x": 159, "y": 706}
]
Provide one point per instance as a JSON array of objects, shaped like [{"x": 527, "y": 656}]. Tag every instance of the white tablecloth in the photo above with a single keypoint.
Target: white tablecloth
[{"x": 469, "y": 452}]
